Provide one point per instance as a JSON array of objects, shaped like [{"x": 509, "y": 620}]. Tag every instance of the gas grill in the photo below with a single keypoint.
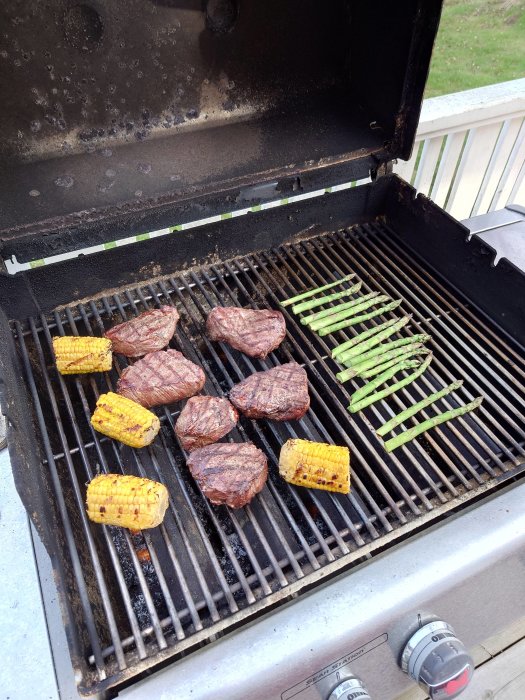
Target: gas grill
[{"x": 180, "y": 597}]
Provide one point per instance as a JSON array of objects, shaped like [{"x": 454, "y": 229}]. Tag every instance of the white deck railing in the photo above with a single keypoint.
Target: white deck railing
[{"x": 469, "y": 155}]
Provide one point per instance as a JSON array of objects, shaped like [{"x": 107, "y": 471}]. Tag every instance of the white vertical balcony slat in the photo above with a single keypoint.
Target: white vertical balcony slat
[
  {"x": 405, "y": 168},
  {"x": 510, "y": 171},
  {"x": 428, "y": 164},
  {"x": 518, "y": 191},
  {"x": 457, "y": 178},
  {"x": 447, "y": 167},
  {"x": 500, "y": 155},
  {"x": 473, "y": 167},
  {"x": 470, "y": 149}
]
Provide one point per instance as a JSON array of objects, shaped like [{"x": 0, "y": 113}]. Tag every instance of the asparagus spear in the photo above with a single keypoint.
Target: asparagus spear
[
  {"x": 397, "y": 354},
  {"x": 410, "y": 434},
  {"x": 307, "y": 320},
  {"x": 317, "y": 290},
  {"x": 325, "y": 299},
  {"x": 348, "y": 361},
  {"x": 367, "y": 344},
  {"x": 369, "y": 373},
  {"x": 371, "y": 386},
  {"x": 362, "y": 336},
  {"x": 359, "y": 319},
  {"x": 359, "y": 405},
  {"x": 412, "y": 410},
  {"x": 341, "y": 315}
]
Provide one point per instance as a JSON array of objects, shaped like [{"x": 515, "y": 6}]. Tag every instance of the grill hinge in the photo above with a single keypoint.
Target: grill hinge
[{"x": 381, "y": 169}]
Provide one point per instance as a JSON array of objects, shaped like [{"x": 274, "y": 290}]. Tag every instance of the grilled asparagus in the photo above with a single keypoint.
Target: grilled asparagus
[{"x": 410, "y": 434}]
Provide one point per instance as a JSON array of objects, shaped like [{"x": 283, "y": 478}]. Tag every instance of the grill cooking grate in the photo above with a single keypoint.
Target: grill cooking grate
[{"x": 142, "y": 598}]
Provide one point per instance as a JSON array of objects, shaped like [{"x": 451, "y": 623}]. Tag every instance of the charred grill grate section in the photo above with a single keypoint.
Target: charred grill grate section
[{"x": 142, "y": 598}]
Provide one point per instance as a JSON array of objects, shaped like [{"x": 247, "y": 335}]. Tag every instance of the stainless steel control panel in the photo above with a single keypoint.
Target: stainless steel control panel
[{"x": 337, "y": 680}]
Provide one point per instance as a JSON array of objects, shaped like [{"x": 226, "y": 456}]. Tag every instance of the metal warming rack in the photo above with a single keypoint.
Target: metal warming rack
[{"x": 208, "y": 567}]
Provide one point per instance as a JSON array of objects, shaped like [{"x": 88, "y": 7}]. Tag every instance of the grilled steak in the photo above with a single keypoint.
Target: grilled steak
[
  {"x": 229, "y": 473},
  {"x": 203, "y": 420},
  {"x": 256, "y": 333},
  {"x": 150, "y": 331},
  {"x": 161, "y": 377},
  {"x": 280, "y": 393}
]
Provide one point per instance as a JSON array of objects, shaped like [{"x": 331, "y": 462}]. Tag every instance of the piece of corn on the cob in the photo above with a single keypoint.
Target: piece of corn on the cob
[
  {"x": 125, "y": 420},
  {"x": 75, "y": 354},
  {"x": 128, "y": 501},
  {"x": 315, "y": 465}
]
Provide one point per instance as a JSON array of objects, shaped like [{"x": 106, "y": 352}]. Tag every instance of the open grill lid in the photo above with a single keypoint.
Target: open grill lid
[{"x": 192, "y": 108}]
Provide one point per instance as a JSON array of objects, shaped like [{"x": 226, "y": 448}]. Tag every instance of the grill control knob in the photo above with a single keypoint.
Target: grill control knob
[
  {"x": 350, "y": 689},
  {"x": 436, "y": 659}
]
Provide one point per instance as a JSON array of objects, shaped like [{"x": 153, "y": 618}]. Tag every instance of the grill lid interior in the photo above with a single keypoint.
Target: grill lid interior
[{"x": 136, "y": 103}]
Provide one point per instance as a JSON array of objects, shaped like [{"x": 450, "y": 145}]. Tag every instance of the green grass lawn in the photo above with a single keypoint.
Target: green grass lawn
[{"x": 479, "y": 42}]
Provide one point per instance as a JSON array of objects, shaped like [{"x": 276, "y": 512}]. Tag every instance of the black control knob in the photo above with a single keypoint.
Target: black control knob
[
  {"x": 436, "y": 659},
  {"x": 350, "y": 689}
]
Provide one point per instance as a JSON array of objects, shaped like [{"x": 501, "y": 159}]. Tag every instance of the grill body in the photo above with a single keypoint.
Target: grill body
[
  {"x": 211, "y": 569},
  {"x": 241, "y": 103}
]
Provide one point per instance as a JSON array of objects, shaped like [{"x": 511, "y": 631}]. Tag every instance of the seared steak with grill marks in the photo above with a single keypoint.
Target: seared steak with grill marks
[
  {"x": 204, "y": 420},
  {"x": 256, "y": 333},
  {"x": 161, "y": 377},
  {"x": 229, "y": 473},
  {"x": 280, "y": 393},
  {"x": 150, "y": 331}
]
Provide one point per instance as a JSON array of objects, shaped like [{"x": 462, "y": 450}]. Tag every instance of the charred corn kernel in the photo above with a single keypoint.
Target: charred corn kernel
[
  {"x": 75, "y": 354},
  {"x": 125, "y": 420},
  {"x": 315, "y": 465},
  {"x": 128, "y": 501}
]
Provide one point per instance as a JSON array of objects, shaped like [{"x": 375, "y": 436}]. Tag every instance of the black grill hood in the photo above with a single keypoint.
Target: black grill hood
[{"x": 113, "y": 109}]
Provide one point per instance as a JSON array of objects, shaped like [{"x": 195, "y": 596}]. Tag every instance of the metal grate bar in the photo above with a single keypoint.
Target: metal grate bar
[
  {"x": 240, "y": 375},
  {"x": 186, "y": 539},
  {"x": 437, "y": 361},
  {"x": 360, "y": 431},
  {"x": 73, "y": 552},
  {"x": 218, "y": 571},
  {"x": 171, "y": 551},
  {"x": 335, "y": 500},
  {"x": 119, "y": 458},
  {"x": 319, "y": 358},
  {"x": 230, "y": 383},
  {"x": 225, "y": 542},
  {"x": 485, "y": 384},
  {"x": 239, "y": 529},
  {"x": 109, "y": 542},
  {"x": 462, "y": 421},
  {"x": 401, "y": 406},
  {"x": 130, "y": 549},
  {"x": 241, "y": 577},
  {"x": 290, "y": 520},
  {"x": 292, "y": 432},
  {"x": 476, "y": 325},
  {"x": 416, "y": 463},
  {"x": 496, "y": 377},
  {"x": 289, "y": 426}
]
